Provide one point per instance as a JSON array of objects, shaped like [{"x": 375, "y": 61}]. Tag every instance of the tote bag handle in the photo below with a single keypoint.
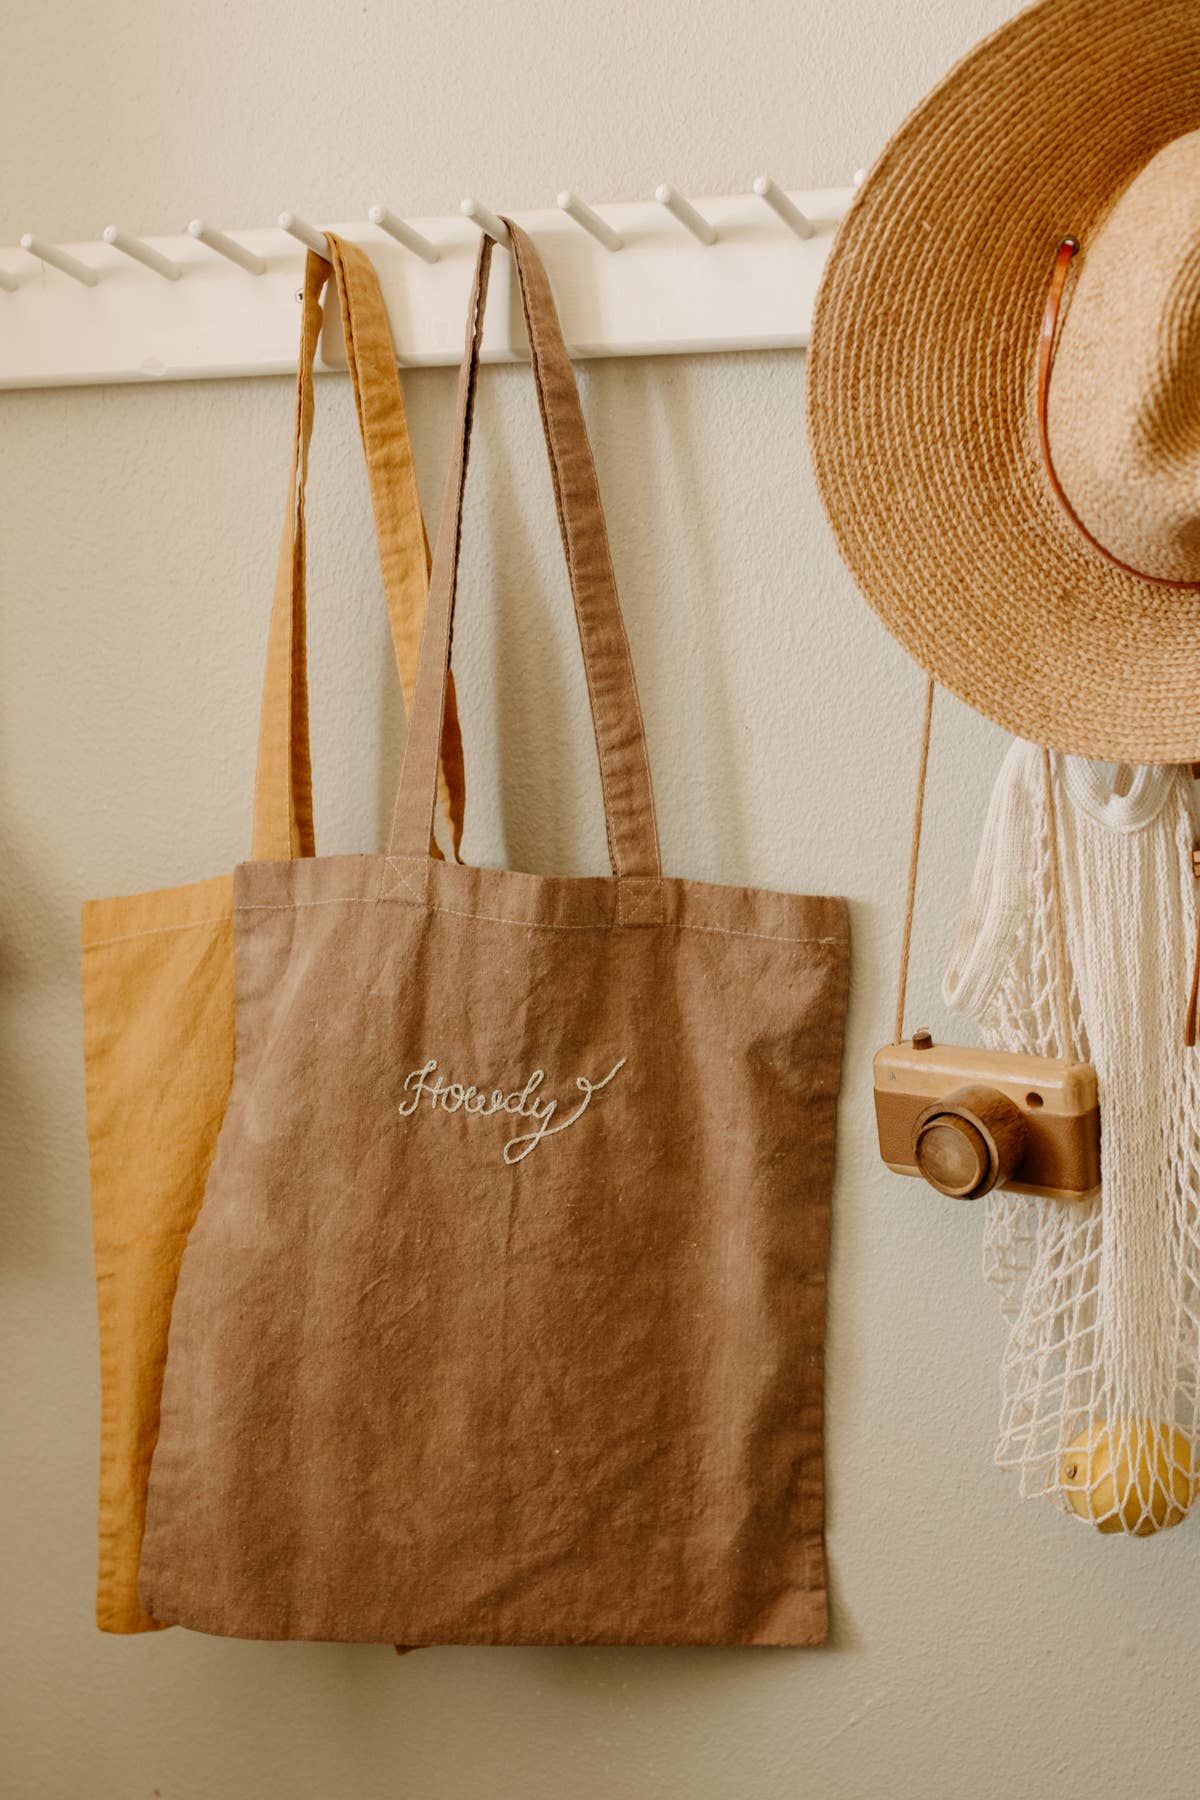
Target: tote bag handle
[
  {"x": 283, "y": 818},
  {"x": 612, "y": 690}
]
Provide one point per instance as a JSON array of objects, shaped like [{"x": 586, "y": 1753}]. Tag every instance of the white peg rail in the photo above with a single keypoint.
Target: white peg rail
[{"x": 102, "y": 312}]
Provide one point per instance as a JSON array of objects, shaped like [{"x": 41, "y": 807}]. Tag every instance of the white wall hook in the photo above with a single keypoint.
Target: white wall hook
[
  {"x": 60, "y": 259},
  {"x": 590, "y": 219},
  {"x": 486, "y": 220},
  {"x": 783, "y": 206},
  {"x": 685, "y": 212},
  {"x": 146, "y": 254},
  {"x": 234, "y": 314},
  {"x": 304, "y": 233},
  {"x": 227, "y": 247},
  {"x": 386, "y": 220},
  {"x": 860, "y": 175}
]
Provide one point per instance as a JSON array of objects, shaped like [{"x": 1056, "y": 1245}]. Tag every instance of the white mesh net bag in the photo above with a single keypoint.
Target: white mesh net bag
[{"x": 1100, "y": 1403}]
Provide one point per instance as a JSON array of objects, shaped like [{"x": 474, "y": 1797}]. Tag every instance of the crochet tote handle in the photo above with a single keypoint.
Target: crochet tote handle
[{"x": 1062, "y": 992}]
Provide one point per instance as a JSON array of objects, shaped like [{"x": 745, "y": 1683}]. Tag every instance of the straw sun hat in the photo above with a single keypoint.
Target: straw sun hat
[{"x": 1019, "y": 569}]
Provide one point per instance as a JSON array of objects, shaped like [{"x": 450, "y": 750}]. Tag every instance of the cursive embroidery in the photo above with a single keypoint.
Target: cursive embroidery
[{"x": 445, "y": 1096}]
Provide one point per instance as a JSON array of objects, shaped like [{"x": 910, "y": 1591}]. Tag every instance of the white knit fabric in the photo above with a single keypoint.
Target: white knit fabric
[{"x": 1103, "y": 1298}]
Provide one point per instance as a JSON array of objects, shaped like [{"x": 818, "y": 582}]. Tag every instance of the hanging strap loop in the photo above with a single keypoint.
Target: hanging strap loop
[
  {"x": 283, "y": 821},
  {"x": 612, "y": 690}
]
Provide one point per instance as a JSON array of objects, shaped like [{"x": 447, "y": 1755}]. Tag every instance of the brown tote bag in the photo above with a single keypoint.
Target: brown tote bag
[
  {"x": 158, "y": 967},
  {"x": 503, "y": 1319}
]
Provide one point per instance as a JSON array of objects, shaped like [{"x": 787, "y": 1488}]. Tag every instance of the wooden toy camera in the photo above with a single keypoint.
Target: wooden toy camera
[{"x": 969, "y": 1121}]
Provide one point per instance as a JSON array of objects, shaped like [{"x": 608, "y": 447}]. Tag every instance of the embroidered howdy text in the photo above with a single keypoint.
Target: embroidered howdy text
[{"x": 445, "y": 1096}]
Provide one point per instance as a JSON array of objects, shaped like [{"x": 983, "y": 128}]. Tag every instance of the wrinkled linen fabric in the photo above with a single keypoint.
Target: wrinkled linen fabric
[{"x": 503, "y": 1318}]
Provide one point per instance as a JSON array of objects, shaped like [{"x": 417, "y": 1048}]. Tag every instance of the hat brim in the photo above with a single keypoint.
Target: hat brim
[{"x": 922, "y": 381}]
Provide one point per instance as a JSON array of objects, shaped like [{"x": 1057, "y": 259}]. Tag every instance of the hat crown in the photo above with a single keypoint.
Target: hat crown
[{"x": 1124, "y": 410}]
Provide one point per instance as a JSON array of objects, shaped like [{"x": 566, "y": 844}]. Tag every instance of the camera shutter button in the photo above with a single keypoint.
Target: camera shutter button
[{"x": 969, "y": 1142}]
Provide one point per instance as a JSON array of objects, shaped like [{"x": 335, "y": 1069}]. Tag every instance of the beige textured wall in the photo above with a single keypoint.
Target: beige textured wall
[{"x": 981, "y": 1648}]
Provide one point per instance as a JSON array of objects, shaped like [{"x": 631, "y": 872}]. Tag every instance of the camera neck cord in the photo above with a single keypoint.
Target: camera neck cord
[{"x": 1062, "y": 992}]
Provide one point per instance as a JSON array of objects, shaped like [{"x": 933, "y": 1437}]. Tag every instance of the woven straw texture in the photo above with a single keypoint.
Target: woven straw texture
[
  {"x": 922, "y": 381},
  {"x": 1126, "y": 447}
]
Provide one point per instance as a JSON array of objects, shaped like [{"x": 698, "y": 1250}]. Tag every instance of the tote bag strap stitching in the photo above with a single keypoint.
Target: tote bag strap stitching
[
  {"x": 283, "y": 825},
  {"x": 620, "y": 737},
  {"x": 475, "y": 917},
  {"x": 405, "y": 876},
  {"x": 639, "y": 900}
]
